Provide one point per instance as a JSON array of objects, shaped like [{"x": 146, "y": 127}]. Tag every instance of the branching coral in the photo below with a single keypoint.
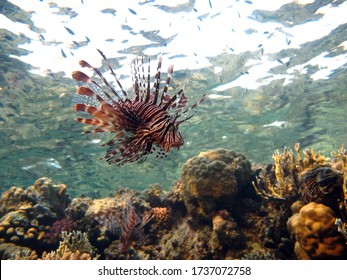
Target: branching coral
[
  {"x": 291, "y": 177},
  {"x": 283, "y": 185},
  {"x": 74, "y": 246},
  {"x": 310, "y": 160},
  {"x": 75, "y": 241}
]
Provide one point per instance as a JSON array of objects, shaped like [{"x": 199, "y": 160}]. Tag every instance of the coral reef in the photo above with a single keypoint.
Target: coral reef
[
  {"x": 74, "y": 246},
  {"x": 227, "y": 230},
  {"x": 316, "y": 234},
  {"x": 27, "y": 215},
  {"x": 296, "y": 209},
  {"x": 211, "y": 180},
  {"x": 280, "y": 179}
]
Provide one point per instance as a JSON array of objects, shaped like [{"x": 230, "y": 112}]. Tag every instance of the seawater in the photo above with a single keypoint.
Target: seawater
[{"x": 276, "y": 75}]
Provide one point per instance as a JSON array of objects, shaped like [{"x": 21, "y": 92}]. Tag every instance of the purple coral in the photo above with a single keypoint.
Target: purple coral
[{"x": 53, "y": 235}]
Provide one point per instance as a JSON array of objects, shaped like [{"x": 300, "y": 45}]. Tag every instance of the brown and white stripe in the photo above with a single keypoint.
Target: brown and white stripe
[{"x": 140, "y": 123}]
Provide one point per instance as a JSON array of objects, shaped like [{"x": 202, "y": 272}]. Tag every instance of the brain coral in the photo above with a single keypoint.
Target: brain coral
[
  {"x": 315, "y": 233},
  {"x": 212, "y": 179}
]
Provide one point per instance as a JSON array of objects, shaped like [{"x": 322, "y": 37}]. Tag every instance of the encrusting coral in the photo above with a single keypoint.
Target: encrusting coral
[
  {"x": 211, "y": 180},
  {"x": 316, "y": 234}
]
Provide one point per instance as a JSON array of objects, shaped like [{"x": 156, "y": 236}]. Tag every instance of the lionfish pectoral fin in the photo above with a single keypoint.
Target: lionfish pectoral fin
[
  {"x": 116, "y": 138},
  {"x": 81, "y": 77},
  {"x": 101, "y": 126},
  {"x": 101, "y": 113}
]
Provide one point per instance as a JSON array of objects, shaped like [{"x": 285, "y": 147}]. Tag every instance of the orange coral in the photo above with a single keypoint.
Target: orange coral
[
  {"x": 315, "y": 233},
  {"x": 66, "y": 256},
  {"x": 162, "y": 216}
]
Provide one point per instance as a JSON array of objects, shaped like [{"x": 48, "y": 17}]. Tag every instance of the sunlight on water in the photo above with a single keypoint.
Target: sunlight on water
[{"x": 275, "y": 73}]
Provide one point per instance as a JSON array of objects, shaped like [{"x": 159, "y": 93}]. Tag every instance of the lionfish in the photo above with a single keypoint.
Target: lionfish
[
  {"x": 126, "y": 223},
  {"x": 139, "y": 123}
]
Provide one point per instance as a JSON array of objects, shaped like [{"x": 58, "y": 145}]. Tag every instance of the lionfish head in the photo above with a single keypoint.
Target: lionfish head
[{"x": 173, "y": 138}]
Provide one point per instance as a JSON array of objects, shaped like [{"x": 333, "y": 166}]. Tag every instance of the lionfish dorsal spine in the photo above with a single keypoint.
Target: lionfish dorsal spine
[
  {"x": 167, "y": 83},
  {"x": 149, "y": 81},
  {"x": 157, "y": 82},
  {"x": 113, "y": 74},
  {"x": 85, "y": 64}
]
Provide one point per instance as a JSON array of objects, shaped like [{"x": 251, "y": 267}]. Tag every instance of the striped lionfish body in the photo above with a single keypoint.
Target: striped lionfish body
[{"x": 140, "y": 123}]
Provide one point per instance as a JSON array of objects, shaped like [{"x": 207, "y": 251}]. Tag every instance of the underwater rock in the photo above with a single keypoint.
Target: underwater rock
[
  {"x": 227, "y": 230},
  {"x": 187, "y": 243},
  {"x": 77, "y": 209},
  {"x": 211, "y": 180},
  {"x": 153, "y": 195},
  {"x": 316, "y": 234}
]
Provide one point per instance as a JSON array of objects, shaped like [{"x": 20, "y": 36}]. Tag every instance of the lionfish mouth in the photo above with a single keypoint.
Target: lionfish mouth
[{"x": 140, "y": 123}]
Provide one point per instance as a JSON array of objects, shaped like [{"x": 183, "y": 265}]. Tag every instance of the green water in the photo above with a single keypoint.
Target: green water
[{"x": 39, "y": 136}]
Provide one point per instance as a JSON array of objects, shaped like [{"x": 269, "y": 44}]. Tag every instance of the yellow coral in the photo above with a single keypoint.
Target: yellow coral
[
  {"x": 310, "y": 160},
  {"x": 68, "y": 255},
  {"x": 287, "y": 170},
  {"x": 315, "y": 233},
  {"x": 339, "y": 162}
]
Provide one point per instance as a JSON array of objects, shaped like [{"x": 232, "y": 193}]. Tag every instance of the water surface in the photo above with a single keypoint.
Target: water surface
[{"x": 275, "y": 74}]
